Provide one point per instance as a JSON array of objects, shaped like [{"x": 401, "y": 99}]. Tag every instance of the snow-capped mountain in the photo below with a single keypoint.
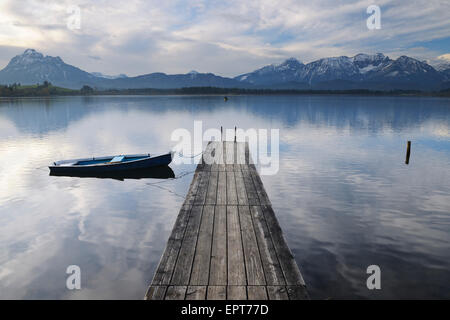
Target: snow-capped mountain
[
  {"x": 361, "y": 71},
  {"x": 287, "y": 71},
  {"x": 33, "y": 67},
  {"x": 444, "y": 68}
]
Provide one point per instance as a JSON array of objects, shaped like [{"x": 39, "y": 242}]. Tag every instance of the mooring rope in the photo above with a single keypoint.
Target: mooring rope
[
  {"x": 158, "y": 184},
  {"x": 180, "y": 154}
]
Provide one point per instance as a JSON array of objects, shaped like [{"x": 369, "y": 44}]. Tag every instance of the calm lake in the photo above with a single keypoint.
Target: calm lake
[{"x": 343, "y": 195}]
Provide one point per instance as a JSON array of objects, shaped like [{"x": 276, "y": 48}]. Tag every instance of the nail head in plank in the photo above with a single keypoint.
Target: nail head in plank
[{"x": 277, "y": 293}]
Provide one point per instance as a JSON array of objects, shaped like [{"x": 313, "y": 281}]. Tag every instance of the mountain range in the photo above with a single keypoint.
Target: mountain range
[{"x": 362, "y": 71}]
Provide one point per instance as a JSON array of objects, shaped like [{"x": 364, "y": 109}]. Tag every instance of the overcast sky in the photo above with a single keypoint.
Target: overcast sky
[{"x": 226, "y": 37}]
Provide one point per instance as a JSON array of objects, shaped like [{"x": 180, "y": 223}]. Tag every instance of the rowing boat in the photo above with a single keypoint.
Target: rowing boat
[{"x": 110, "y": 163}]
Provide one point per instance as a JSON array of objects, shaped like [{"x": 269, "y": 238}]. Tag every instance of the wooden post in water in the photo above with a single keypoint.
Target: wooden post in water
[
  {"x": 235, "y": 133},
  {"x": 408, "y": 152},
  {"x": 221, "y": 134}
]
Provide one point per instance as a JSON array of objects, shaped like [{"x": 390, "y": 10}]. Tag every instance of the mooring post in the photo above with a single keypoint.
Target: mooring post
[
  {"x": 221, "y": 134},
  {"x": 234, "y": 133},
  {"x": 408, "y": 152}
]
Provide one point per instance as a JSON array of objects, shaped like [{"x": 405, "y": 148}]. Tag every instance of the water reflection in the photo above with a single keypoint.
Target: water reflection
[
  {"x": 163, "y": 172},
  {"x": 343, "y": 196}
]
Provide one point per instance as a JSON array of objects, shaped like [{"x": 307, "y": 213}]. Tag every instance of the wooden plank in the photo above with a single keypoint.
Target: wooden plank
[
  {"x": 259, "y": 187},
  {"x": 218, "y": 164},
  {"x": 156, "y": 293},
  {"x": 272, "y": 269},
  {"x": 256, "y": 293},
  {"x": 222, "y": 189},
  {"x": 297, "y": 293},
  {"x": 176, "y": 293},
  {"x": 208, "y": 156},
  {"x": 200, "y": 268},
  {"x": 200, "y": 197},
  {"x": 252, "y": 196},
  {"x": 236, "y": 268},
  {"x": 288, "y": 265},
  {"x": 223, "y": 166},
  {"x": 236, "y": 293},
  {"x": 166, "y": 265},
  {"x": 277, "y": 293},
  {"x": 211, "y": 195},
  {"x": 217, "y": 293},
  {"x": 240, "y": 154},
  {"x": 196, "y": 293},
  {"x": 253, "y": 265},
  {"x": 229, "y": 155},
  {"x": 240, "y": 188},
  {"x": 236, "y": 165},
  {"x": 218, "y": 269},
  {"x": 183, "y": 265},
  {"x": 247, "y": 154},
  {"x": 231, "y": 189},
  {"x": 193, "y": 189}
]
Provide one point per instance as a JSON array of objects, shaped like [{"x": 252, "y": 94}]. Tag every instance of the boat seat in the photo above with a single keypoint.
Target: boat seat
[{"x": 117, "y": 159}]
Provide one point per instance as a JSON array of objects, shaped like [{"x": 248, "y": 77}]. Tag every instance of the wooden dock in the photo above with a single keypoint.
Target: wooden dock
[{"x": 226, "y": 243}]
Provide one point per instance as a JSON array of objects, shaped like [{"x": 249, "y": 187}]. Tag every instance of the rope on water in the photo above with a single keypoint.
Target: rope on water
[
  {"x": 180, "y": 154},
  {"x": 158, "y": 184}
]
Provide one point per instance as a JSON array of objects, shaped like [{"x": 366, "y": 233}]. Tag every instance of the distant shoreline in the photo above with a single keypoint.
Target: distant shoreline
[{"x": 48, "y": 90}]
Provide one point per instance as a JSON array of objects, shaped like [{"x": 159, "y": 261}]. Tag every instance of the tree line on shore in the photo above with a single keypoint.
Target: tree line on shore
[{"x": 47, "y": 89}]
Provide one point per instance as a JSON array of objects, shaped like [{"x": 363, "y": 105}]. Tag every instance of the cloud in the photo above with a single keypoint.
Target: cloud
[
  {"x": 444, "y": 57},
  {"x": 225, "y": 37}
]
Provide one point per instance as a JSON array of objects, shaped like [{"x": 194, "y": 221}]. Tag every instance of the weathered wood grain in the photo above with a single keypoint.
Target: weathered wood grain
[
  {"x": 272, "y": 269},
  {"x": 156, "y": 293},
  {"x": 240, "y": 188},
  {"x": 200, "y": 197},
  {"x": 231, "y": 189},
  {"x": 217, "y": 293},
  {"x": 257, "y": 293},
  {"x": 183, "y": 265},
  {"x": 218, "y": 268},
  {"x": 297, "y": 293},
  {"x": 211, "y": 195},
  {"x": 196, "y": 293},
  {"x": 288, "y": 265},
  {"x": 202, "y": 258},
  {"x": 222, "y": 189},
  {"x": 236, "y": 267},
  {"x": 253, "y": 265},
  {"x": 277, "y": 293},
  {"x": 236, "y": 293},
  {"x": 176, "y": 293}
]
